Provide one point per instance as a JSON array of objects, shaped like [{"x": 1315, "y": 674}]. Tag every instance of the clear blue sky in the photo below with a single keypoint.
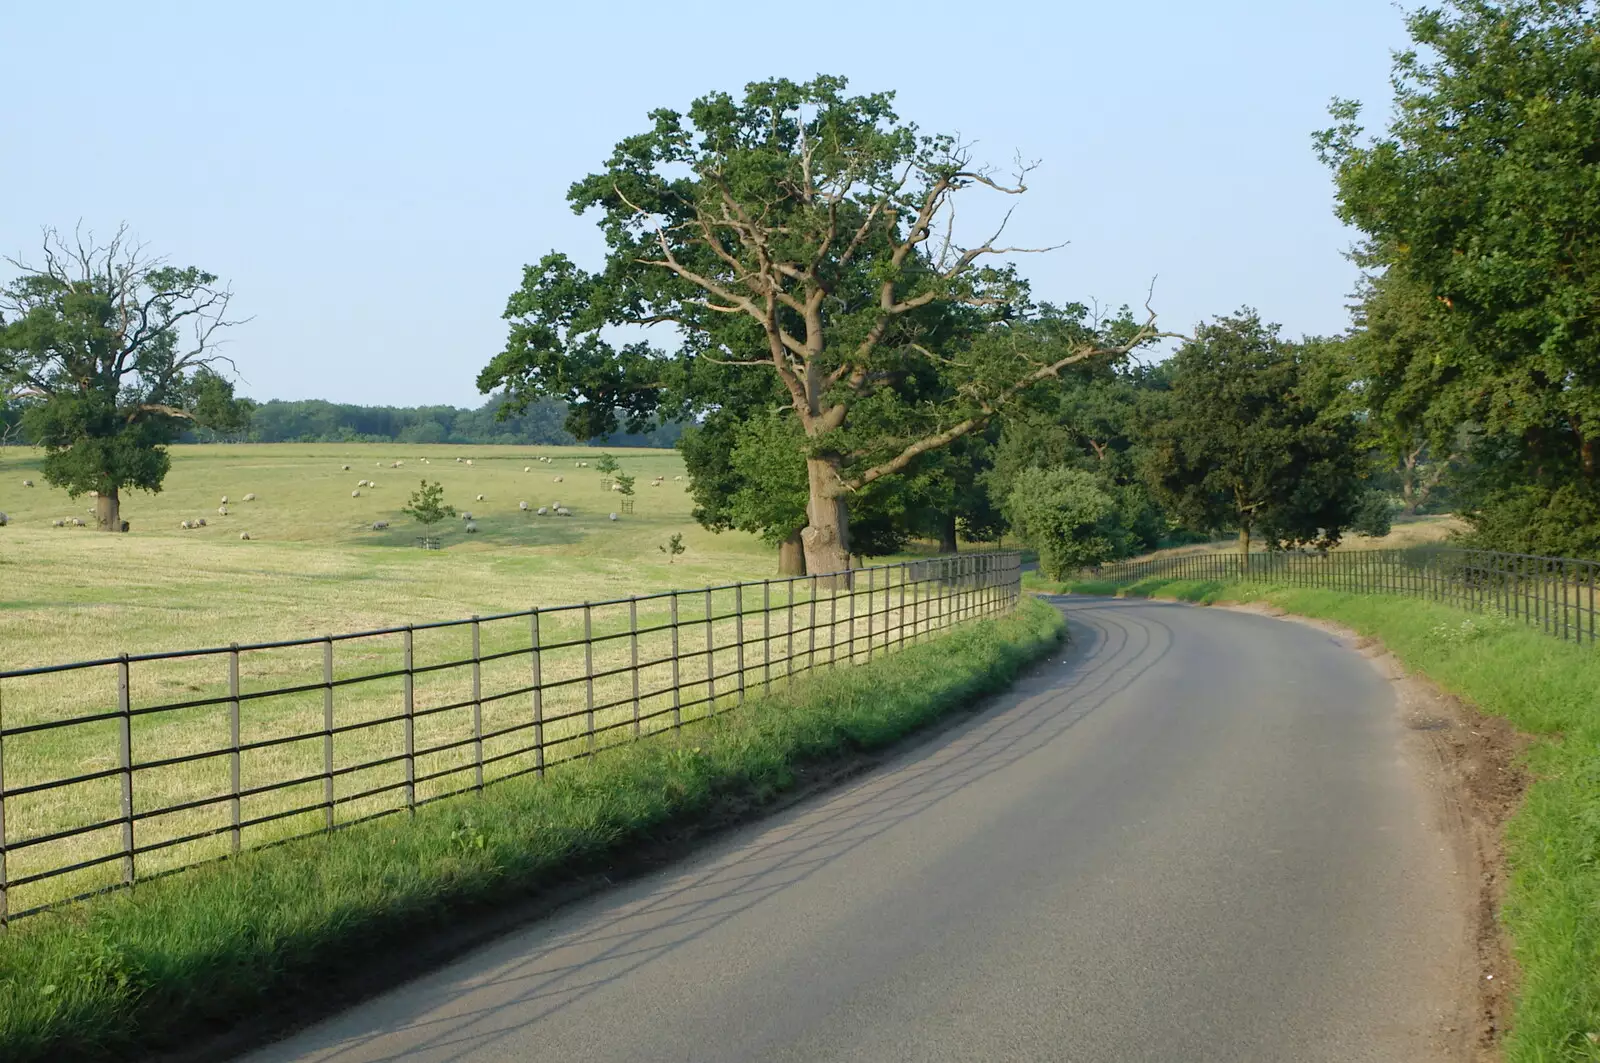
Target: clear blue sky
[{"x": 372, "y": 176}]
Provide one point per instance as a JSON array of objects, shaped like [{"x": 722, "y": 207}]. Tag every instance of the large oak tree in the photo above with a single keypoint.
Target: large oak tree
[
  {"x": 112, "y": 355},
  {"x": 808, "y": 234}
]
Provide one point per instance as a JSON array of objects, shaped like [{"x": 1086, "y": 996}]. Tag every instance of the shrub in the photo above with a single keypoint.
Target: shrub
[{"x": 1065, "y": 515}]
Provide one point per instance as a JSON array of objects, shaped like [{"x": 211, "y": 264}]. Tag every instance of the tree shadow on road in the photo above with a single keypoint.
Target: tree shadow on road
[{"x": 1110, "y": 650}]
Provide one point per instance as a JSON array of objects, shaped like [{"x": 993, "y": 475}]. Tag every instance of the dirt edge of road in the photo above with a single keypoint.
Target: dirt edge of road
[{"x": 1472, "y": 765}]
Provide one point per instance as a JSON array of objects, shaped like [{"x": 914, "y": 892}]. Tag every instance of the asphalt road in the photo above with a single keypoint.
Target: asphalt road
[{"x": 1195, "y": 835}]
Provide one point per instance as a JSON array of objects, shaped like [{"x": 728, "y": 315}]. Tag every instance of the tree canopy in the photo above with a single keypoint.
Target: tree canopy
[
  {"x": 1481, "y": 214},
  {"x": 808, "y": 235},
  {"x": 115, "y": 355},
  {"x": 1252, "y": 434}
]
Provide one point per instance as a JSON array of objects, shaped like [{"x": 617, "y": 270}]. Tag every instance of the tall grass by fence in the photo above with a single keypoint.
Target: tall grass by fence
[
  {"x": 120, "y": 769},
  {"x": 1556, "y": 594}
]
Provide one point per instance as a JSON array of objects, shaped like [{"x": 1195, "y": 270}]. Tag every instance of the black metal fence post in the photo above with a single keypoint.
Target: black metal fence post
[
  {"x": 677, "y": 680},
  {"x": 711, "y": 660},
  {"x": 233, "y": 734},
  {"x": 5, "y": 900},
  {"x": 588, "y": 676},
  {"x": 538, "y": 693},
  {"x": 738, "y": 656},
  {"x": 410, "y": 722},
  {"x": 125, "y": 762},
  {"x": 327, "y": 733},
  {"x": 477, "y": 705},
  {"x": 633, "y": 653}
]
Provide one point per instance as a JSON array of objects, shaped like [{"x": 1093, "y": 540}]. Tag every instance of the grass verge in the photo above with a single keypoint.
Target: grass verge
[
  {"x": 1546, "y": 688},
  {"x": 188, "y": 954}
]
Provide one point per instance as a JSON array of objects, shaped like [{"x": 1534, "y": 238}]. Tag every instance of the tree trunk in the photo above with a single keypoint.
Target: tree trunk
[
  {"x": 947, "y": 533},
  {"x": 108, "y": 511},
  {"x": 791, "y": 557},
  {"x": 1244, "y": 551},
  {"x": 826, "y": 538}
]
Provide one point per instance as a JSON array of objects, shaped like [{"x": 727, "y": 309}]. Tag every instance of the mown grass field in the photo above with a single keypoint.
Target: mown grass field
[
  {"x": 1545, "y": 687},
  {"x": 313, "y": 565}
]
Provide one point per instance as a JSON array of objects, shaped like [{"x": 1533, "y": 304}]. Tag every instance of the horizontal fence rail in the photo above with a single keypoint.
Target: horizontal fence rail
[
  {"x": 122, "y": 769},
  {"x": 1554, "y": 594}
]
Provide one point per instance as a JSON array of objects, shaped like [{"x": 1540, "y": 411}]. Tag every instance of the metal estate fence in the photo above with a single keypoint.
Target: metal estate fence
[
  {"x": 1555, "y": 594},
  {"x": 121, "y": 769}
]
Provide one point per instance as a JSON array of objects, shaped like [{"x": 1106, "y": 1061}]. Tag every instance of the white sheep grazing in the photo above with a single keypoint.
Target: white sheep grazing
[
  {"x": 458, "y": 461},
  {"x": 480, "y": 498},
  {"x": 27, "y": 483},
  {"x": 469, "y": 461},
  {"x": 377, "y": 464},
  {"x": 523, "y": 506},
  {"x": 224, "y": 499},
  {"x": 183, "y": 524},
  {"x": 3, "y": 519},
  {"x": 346, "y": 468},
  {"x": 555, "y": 505},
  {"x": 245, "y": 536},
  {"x": 559, "y": 479},
  {"x": 380, "y": 525},
  {"x": 201, "y": 523},
  {"x": 355, "y": 494},
  {"x": 77, "y": 522},
  {"x": 222, "y": 511},
  {"x": 372, "y": 483},
  {"x": 466, "y": 516},
  {"x": 616, "y": 487},
  {"x": 677, "y": 477},
  {"x": 543, "y": 511},
  {"x": 58, "y": 523},
  {"x": 472, "y": 529},
  {"x": 94, "y": 494},
  {"x": 613, "y": 516},
  {"x": 655, "y": 483},
  {"x": 251, "y": 497},
  {"x": 527, "y": 468},
  {"x": 563, "y": 512}
]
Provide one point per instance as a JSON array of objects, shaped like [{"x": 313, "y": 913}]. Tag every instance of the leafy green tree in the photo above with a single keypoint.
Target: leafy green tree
[
  {"x": 114, "y": 355},
  {"x": 1254, "y": 434},
  {"x": 673, "y": 547},
  {"x": 1481, "y": 217},
  {"x": 607, "y": 465},
  {"x": 624, "y": 484},
  {"x": 1373, "y": 514},
  {"x": 427, "y": 504},
  {"x": 1089, "y": 423},
  {"x": 1066, "y": 516},
  {"x": 804, "y": 234}
]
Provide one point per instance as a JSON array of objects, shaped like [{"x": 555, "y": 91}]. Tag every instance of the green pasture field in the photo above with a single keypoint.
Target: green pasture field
[{"x": 312, "y": 568}]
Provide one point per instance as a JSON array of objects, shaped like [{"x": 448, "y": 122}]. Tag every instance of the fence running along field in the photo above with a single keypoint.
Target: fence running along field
[
  {"x": 118, "y": 770},
  {"x": 1555, "y": 594}
]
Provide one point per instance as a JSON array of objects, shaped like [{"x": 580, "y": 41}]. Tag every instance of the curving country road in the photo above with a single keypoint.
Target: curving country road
[{"x": 1194, "y": 835}]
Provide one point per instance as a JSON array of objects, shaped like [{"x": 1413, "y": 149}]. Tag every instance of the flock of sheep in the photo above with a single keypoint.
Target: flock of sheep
[{"x": 365, "y": 483}]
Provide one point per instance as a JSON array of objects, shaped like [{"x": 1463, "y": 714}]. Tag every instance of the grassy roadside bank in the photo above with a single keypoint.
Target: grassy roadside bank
[
  {"x": 188, "y": 954},
  {"x": 1545, "y": 687}
]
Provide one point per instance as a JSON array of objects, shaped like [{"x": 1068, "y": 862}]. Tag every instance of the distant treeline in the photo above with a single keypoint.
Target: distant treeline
[{"x": 319, "y": 421}]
